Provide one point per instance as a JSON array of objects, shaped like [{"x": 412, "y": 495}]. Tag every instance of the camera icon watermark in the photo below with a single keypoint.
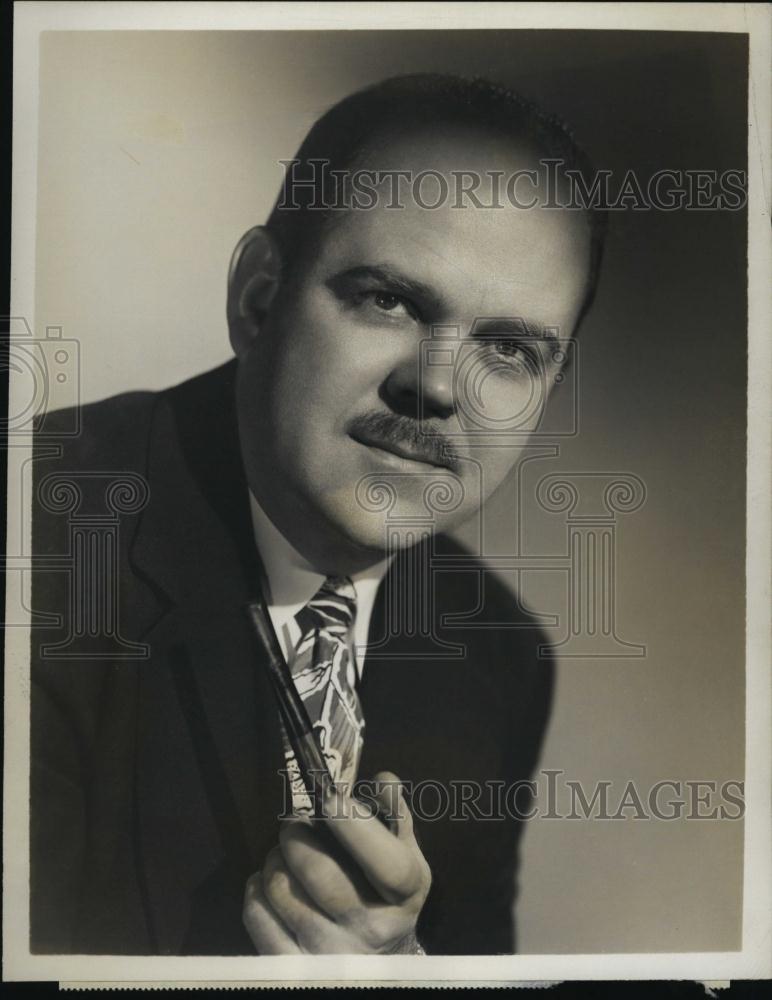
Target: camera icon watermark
[
  {"x": 44, "y": 376},
  {"x": 497, "y": 349}
]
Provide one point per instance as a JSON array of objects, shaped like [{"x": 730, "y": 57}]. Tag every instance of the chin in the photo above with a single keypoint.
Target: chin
[
  {"x": 384, "y": 532},
  {"x": 376, "y": 515},
  {"x": 363, "y": 533}
]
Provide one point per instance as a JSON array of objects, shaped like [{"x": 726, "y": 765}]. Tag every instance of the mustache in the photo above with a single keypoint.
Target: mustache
[{"x": 418, "y": 437}]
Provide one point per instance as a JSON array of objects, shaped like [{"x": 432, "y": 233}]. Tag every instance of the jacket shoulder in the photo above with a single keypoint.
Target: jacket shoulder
[
  {"x": 502, "y": 621},
  {"x": 111, "y": 433}
]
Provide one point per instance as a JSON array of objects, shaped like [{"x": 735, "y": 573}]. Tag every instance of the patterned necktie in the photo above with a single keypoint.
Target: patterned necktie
[{"x": 324, "y": 671}]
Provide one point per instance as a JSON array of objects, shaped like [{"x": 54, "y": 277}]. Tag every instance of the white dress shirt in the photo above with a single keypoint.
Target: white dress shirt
[{"x": 292, "y": 582}]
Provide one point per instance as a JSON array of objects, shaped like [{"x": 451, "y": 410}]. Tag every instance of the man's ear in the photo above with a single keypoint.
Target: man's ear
[{"x": 253, "y": 280}]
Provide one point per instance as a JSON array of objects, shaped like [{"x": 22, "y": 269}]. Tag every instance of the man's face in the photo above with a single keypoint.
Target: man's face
[{"x": 355, "y": 418}]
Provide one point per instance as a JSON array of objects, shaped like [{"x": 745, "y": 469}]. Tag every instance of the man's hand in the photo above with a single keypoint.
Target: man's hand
[{"x": 343, "y": 884}]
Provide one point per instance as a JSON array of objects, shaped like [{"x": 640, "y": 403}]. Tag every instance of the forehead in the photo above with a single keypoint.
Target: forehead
[{"x": 492, "y": 260}]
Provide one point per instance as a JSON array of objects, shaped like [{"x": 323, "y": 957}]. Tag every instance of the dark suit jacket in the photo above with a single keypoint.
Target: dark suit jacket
[{"x": 155, "y": 788}]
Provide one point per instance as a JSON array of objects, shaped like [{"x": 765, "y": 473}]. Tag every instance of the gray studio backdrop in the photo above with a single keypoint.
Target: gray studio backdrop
[{"x": 157, "y": 150}]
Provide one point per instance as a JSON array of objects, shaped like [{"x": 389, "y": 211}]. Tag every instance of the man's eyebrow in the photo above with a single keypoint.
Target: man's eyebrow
[
  {"x": 391, "y": 278},
  {"x": 513, "y": 325}
]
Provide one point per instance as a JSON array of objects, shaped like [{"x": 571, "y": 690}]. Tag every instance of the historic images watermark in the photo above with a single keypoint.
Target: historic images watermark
[
  {"x": 91, "y": 504},
  {"x": 552, "y": 185},
  {"x": 410, "y": 504},
  {"x": 550, "y": 795}
]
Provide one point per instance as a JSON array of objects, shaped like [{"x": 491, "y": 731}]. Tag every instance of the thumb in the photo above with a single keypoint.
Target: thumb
[{"x": 389, "y": 794}]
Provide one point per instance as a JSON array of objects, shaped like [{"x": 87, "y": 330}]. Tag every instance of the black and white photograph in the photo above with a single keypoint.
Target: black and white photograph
[{"x": 388, "y": 493}]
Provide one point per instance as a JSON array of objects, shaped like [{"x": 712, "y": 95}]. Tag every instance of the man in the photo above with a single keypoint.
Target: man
[{"x": 385, "y": 355}]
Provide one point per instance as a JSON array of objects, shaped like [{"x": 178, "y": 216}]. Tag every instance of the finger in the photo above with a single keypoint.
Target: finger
[
  {"x": 267, "y": 932},
  {"x": 392, "y": 805},
  {"x": 338, "y": 887},
  {"x": 325, "y": 871},
  {"x": 392, "y": 866},
  {"x": 313, "y": 929}
]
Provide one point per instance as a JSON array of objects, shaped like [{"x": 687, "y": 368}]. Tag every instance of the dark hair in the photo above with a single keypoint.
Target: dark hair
[{"x": 401, "y": 105}]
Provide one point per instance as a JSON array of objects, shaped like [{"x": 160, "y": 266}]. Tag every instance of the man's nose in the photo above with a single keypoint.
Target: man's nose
[{"x": 421, "y": 389}]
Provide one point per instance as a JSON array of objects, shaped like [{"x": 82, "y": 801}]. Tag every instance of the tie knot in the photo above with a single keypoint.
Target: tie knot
[{"x": 331, "y": 609}]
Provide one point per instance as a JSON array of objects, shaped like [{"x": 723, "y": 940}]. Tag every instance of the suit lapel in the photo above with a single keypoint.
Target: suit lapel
[
  {"x": 208, "y": 744},
  {"x": 209, "y": 750}
]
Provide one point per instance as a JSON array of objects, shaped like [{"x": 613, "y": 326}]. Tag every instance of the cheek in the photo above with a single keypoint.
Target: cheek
[
  {"x": 492, "y": 404},
  {"x": 499, "y": 466},
  {"x": 326, "y": 359},
  {"x": 486, "y": 468},
  {"x": 495, "y": 418}
]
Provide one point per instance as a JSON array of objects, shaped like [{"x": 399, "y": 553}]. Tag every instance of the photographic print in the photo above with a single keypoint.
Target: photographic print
[{"x": 388, "y": 515}]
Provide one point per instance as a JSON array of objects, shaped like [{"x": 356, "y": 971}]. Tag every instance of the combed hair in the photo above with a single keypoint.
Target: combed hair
[{"x": 403, "y": 105}]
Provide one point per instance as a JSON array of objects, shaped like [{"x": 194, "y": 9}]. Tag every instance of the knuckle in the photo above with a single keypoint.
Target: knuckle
[
  {"x": 275, "y": 879},
  {"x": 371, "y": 931},
  {"x": 310, "y": 935},
  {"x": 252, "y": 887},
  {"x": 406, "y": 879},
  {"x": 254, "y": 906},
  {"x": 299, "y": 850},
  {"x": 293, "y": 846},
  {"x": 352, "y": 916},
  {"x": 249, "y": 911},
  {"x": 274, "y": 882}
]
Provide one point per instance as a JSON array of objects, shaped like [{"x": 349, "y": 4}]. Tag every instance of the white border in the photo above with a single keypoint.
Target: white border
[{"x": 754, "y": 960}]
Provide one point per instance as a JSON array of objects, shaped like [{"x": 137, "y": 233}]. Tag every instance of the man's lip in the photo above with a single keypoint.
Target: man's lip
[{"x": 400, "y": 451}]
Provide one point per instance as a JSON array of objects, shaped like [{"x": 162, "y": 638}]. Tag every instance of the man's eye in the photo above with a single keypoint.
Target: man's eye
[
  {"x": 509, "y": 346},
  {"x": 386, "y": 301},
  {"x": 381, "y": 302},
  {"x": 512, "y": 348},
  {"x": 518, "y": 356}
]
